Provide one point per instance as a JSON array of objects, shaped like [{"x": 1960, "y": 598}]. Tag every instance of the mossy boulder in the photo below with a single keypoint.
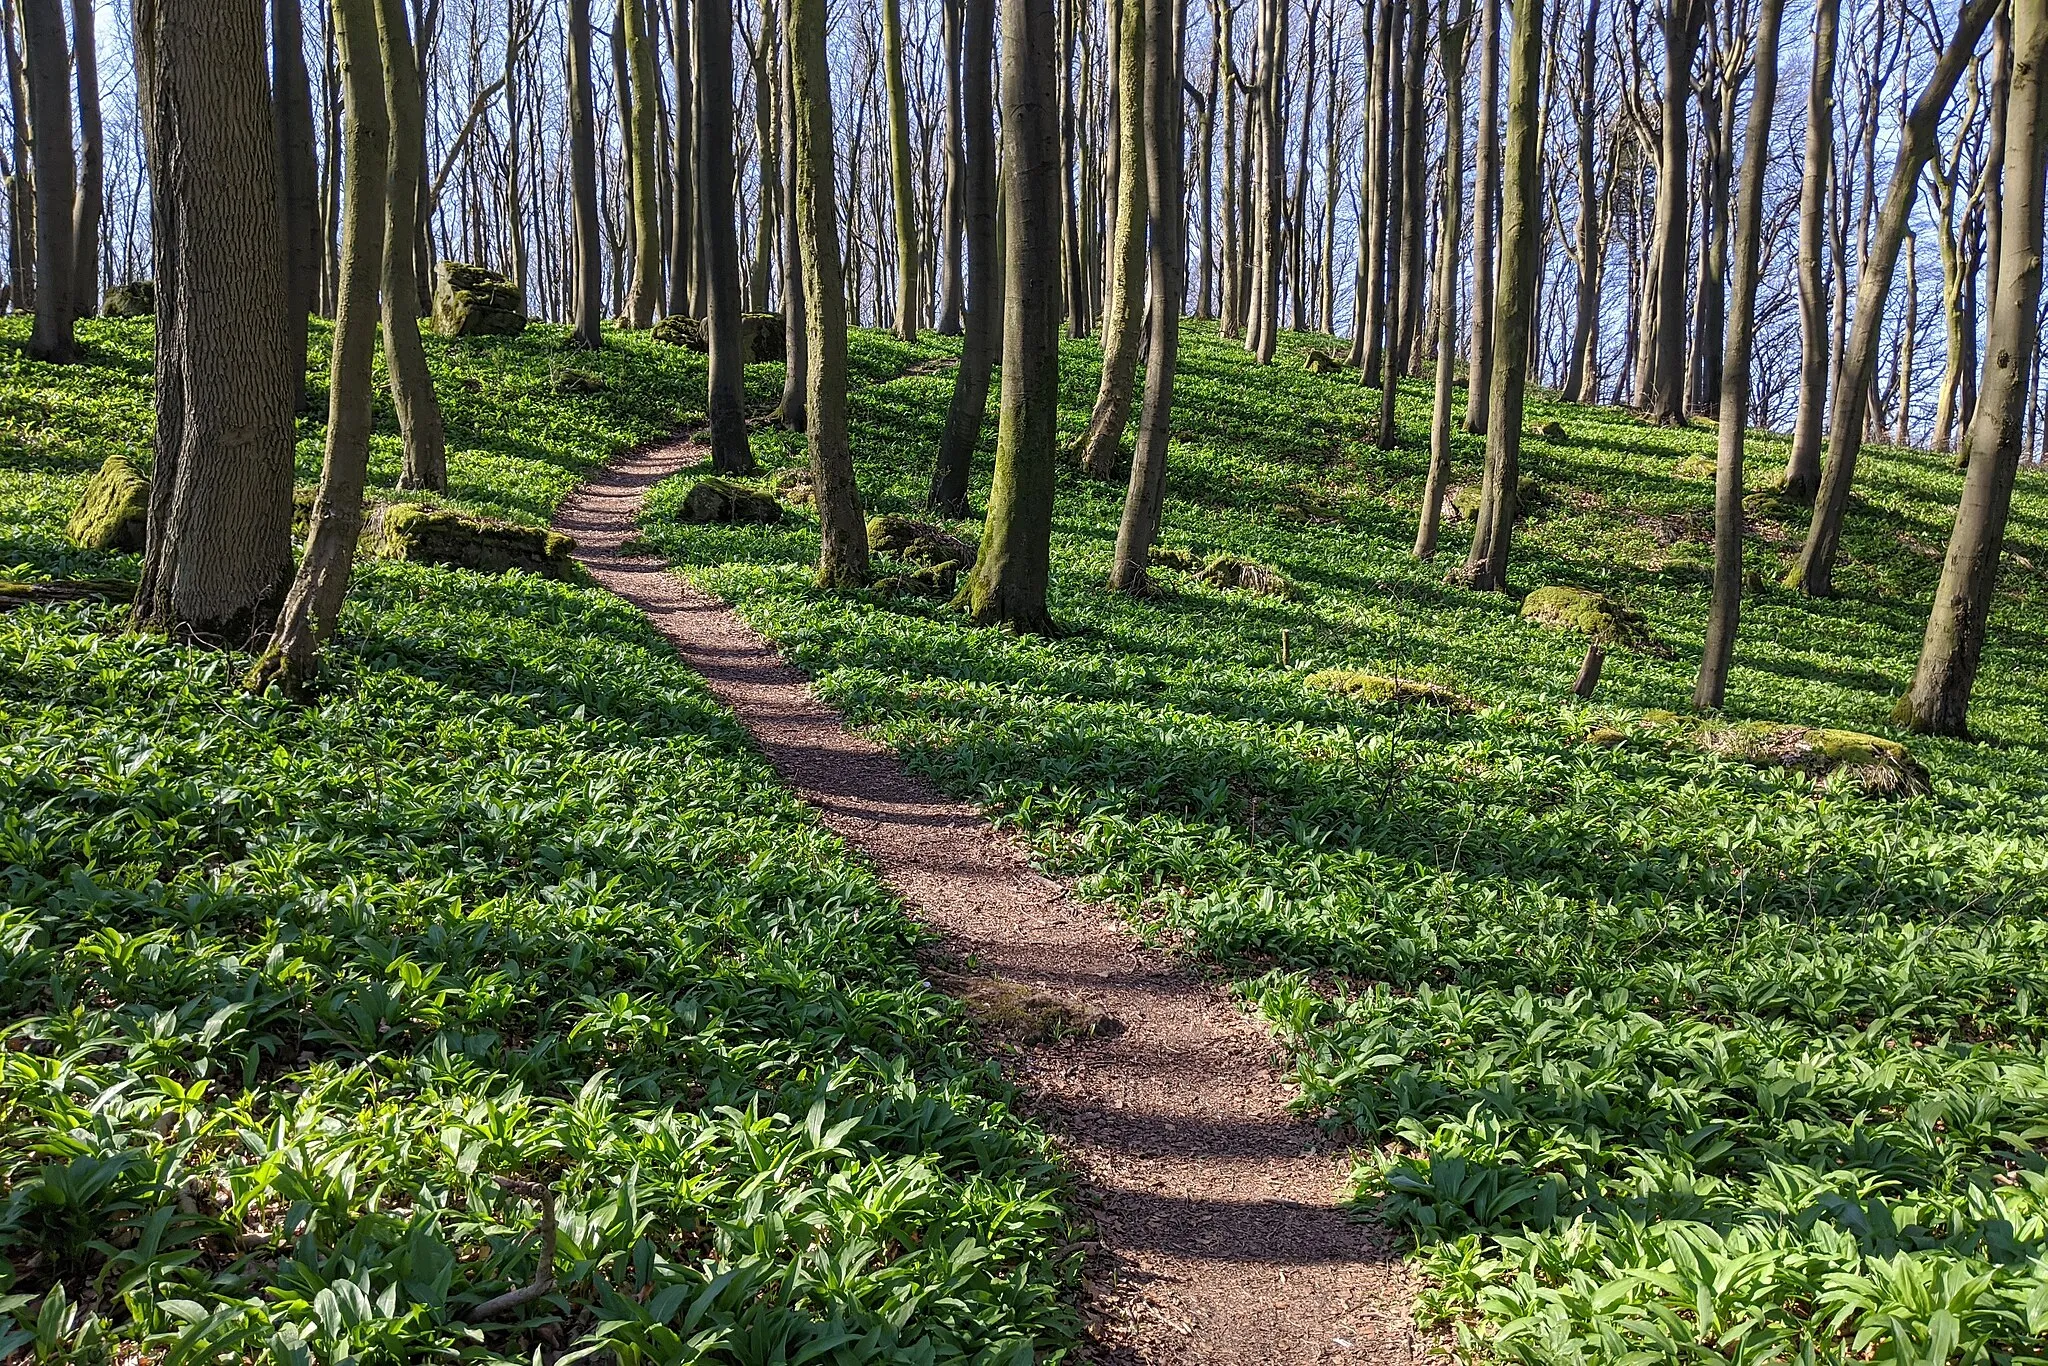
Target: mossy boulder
[
  {"x": 1172, "y": 557},
  {"x": 1232, "y": 572},
  {"x": 136, "y": 299},
  {"x": 721, "y": 501},
  {"x": 1553, "y": 431},
  {"x": 471, "y": 301},
  {"x": 567, "y": 379},
  {"x": 918, "y": 542},
  {"x": 1530, "y": 496},
  {"x": 762, "y": 336},
  {"x": 424, "y": 534},
  {"x": 1593, "y": 614},
  {"x": 1377, "y": 690},
  {"x": 793, "y": 486},
  {"x": 114, "y": 513},
  {"x": 1321, "y": 362},
  {"x": 1875, "y": 766}
]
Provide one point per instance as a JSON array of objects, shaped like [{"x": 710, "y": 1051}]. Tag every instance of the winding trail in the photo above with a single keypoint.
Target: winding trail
[{"x": 1223, "y": 1238}]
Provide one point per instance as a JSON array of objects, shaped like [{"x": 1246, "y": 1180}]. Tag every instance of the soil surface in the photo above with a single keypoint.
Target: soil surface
[{"x": 1223, "y": 1238}]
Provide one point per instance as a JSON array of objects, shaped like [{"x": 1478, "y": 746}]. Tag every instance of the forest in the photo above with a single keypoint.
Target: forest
[{"x": 984, "y": 682}]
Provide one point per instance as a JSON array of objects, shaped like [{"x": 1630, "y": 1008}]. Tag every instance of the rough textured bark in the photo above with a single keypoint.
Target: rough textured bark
[
  {"x": 843, "y": 537},
  {"x": 583, "y": 180},
  {"x": 952, "y": 290},
  {"x": 967, "y": 413},
  {"x": 1723, "y": 616},
  {"x": 1010, "y": 575},
  {"x": 1123, "y": 314},
  {"x": 1683, "y": 21},
  {"x": 219, "y": 548},
  {"x": 793, "y": 411},
  {"x": 1814, "y": 574},
  {"x": 644, "y": 296},
  {"x": 1802, "y": 465},
  {"x": 1953, "y": 645},
  {"x": 412, "y": 383},
  {"x": 1166, "y": 207},
  {"x": 718, "y": 239},
  {"x": 90, "y": 199},
  {"x": 1521, "y": 249},
  {"x": 1485, "y": 200},
  {"x": 1449, "y": 254},
  {"x": 314, "y": 605},
  {"x": 48, "y": 65}
]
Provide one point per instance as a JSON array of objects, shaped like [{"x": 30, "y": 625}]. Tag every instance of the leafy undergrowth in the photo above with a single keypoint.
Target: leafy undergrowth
[
  {"x": 1653, "y": 1050},
  {"x": 308, "y": 1016}
]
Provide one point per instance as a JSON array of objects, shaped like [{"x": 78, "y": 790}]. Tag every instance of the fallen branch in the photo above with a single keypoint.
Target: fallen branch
[{"x": 544, "y": 1279}]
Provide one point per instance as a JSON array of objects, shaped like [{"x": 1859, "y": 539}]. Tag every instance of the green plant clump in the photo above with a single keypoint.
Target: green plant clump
[{"x": 1652, "y": 1052}]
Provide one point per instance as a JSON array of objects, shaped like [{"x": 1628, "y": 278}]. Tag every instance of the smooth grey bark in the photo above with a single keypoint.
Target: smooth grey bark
[
  {"x": 219, "y": 554},
  {"x": 718, "y": 240},
  {"x": 1165, "y": 204},
  {"x": 1665, "y": 401},
  {"x": 1452, "y": 35},
  {"x": 792, "y": 412},
  {"x": 768, "y": 56},
  {"x": 1485, "y": 210},
  {"x": 1486, "y": 566},
  {"x": 1953, "y": 646},
  {"x": 1394, "y": 208},
  {"x": 1814, "y": 574},
  {"x": 1123, "y": 314},
  {"x": 412, "y": 383},
  {"x": 641, "y": 108},
  {"x": 843, "y": 538},
  {"x": 1724, "y": 615},
  {"x": 952, "y": 288},
  {"x": 1366, "y": 348},
  {"x": 1262, "y": 330},
  {"x": 89, "y": 202},
  {"x": 903, "y": 193},
  {"x": 313, "y": 607},
  {"x": 1010, "y": 579},
  {"x": 298, "y": 167},
  {"x": 967, "y": 412},
  {"x": 1580, "y": 377},
  {"x": 47, "y": 63},
  {"x": 682, "y": 246},
  {"x": 1414, "y": 278},
  {"x": 583, "y": 180},
  {"x": 1802, "y": 465}
]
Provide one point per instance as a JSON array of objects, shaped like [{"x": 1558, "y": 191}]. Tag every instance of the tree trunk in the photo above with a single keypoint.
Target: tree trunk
[
  {"x": 843, "y": 537},
  {"x": 412, "y": 384},
  {"x": 1414, "y": 276},
  {"x": 1386, "y": 342},
  {"x": 1710, "y": 301},
  {"x": 1205, "y": 139},
  {"x": 314, "y": 605},
  {"x": 1953, "y": 646},
  {"x": 640, "y": 101},
  {"x": 1075, "y": 271},
  {"x": 1802, "y": 466},
  {"x": 1231, "y": 324},
  {"x": 1712, "y": 686},
  {"x": 1683, "y": 20},
  {"x": 298, "y": 171},
  {"x": 719, "y": 241},
  {"x": 1262, "y": 334},
  {"x": 49, "y": 115},
  {"x": 1010, "y": 576},
  {"x": 794, "y": 412},
  {"x": 1451, "y": 42},
  {"x": 219, "y": 555},
  {"x": 1485, "y": 208},
  {"x": 682, "y": 247},
  {"x": 90, "y": 200},
  {"x": 1521, "y": 244},
  {"x": 952, "y": 290},
  {"x": 1366, "y": 350},
  {"x": 1814, "y": 575},
  {"x": 21, "y": 213},
  {"x": 1166, "y": 207},
  {"x": 1123, "y": 315},
  {"x": 902, "y": 190},
  {"x": 968, "y": 411},
  {"x": 583, "y": 180},
  {"x": 1581, "y": 381},
  {"x": 761, "y": 279}
]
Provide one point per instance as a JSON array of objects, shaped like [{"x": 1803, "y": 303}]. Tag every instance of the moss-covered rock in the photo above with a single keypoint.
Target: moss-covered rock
[
  {"x": 136, "y": 299},
  {"x": 1877, "y": 767},
  {"x": 1594, "y": 614},
  {"x": 1553, "y": 431},
  {"x": 1605, "y": 737},
  {"x": 1321, "y": 362},
  {"x": 1248, "y": 576},
  {"x": 762, "y": 336},
  {"x": 1377, "y": 690},
  {"x": 114, "y": 513},
  {"x": 721, "y": 501},
  {"x": 1172, "y": 557},
  {"x": 918, "y": 542},
  {"x": 1530, "y": 496},
  {"x": 567, "y": 379},
  {"x": 430, "y": 535},
  {"x": 471, "y": 301}
]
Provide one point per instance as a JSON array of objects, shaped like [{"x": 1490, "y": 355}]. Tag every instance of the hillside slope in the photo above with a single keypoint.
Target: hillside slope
[{"x": 1654, "y": 1048}]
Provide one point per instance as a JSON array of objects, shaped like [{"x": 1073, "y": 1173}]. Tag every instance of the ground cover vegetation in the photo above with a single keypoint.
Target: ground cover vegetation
[
  {"x": 1660, "y": 1050},
  {"x": 324, "y": 1028}
]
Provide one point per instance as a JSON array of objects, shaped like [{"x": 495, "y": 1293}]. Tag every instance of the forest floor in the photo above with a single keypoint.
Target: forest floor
[{"x": 1645, "y": 1043}]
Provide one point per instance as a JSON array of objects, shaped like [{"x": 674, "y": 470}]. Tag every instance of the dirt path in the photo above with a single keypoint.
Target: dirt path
[{"x": 1223, "y": 1239}]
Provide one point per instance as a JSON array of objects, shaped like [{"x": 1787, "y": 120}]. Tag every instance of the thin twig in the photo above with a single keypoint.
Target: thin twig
[{"x": 544, "y": 1279}]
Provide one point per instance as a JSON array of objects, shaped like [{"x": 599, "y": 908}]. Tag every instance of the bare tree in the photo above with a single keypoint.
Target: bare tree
[
  {"x": 1452, "y": 38},
  {"x": 968, "y": 411},
  {"x": 718, "y": 241},
  {"x": 412, "y": 383},
  {"x": 1485, "y": 214},
  {"x": 583, "y": 180},
  {"x": 1802, "y": 467},
  {"x": 1123, "y": 316},
  {"x": 48, "y": 63}
]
